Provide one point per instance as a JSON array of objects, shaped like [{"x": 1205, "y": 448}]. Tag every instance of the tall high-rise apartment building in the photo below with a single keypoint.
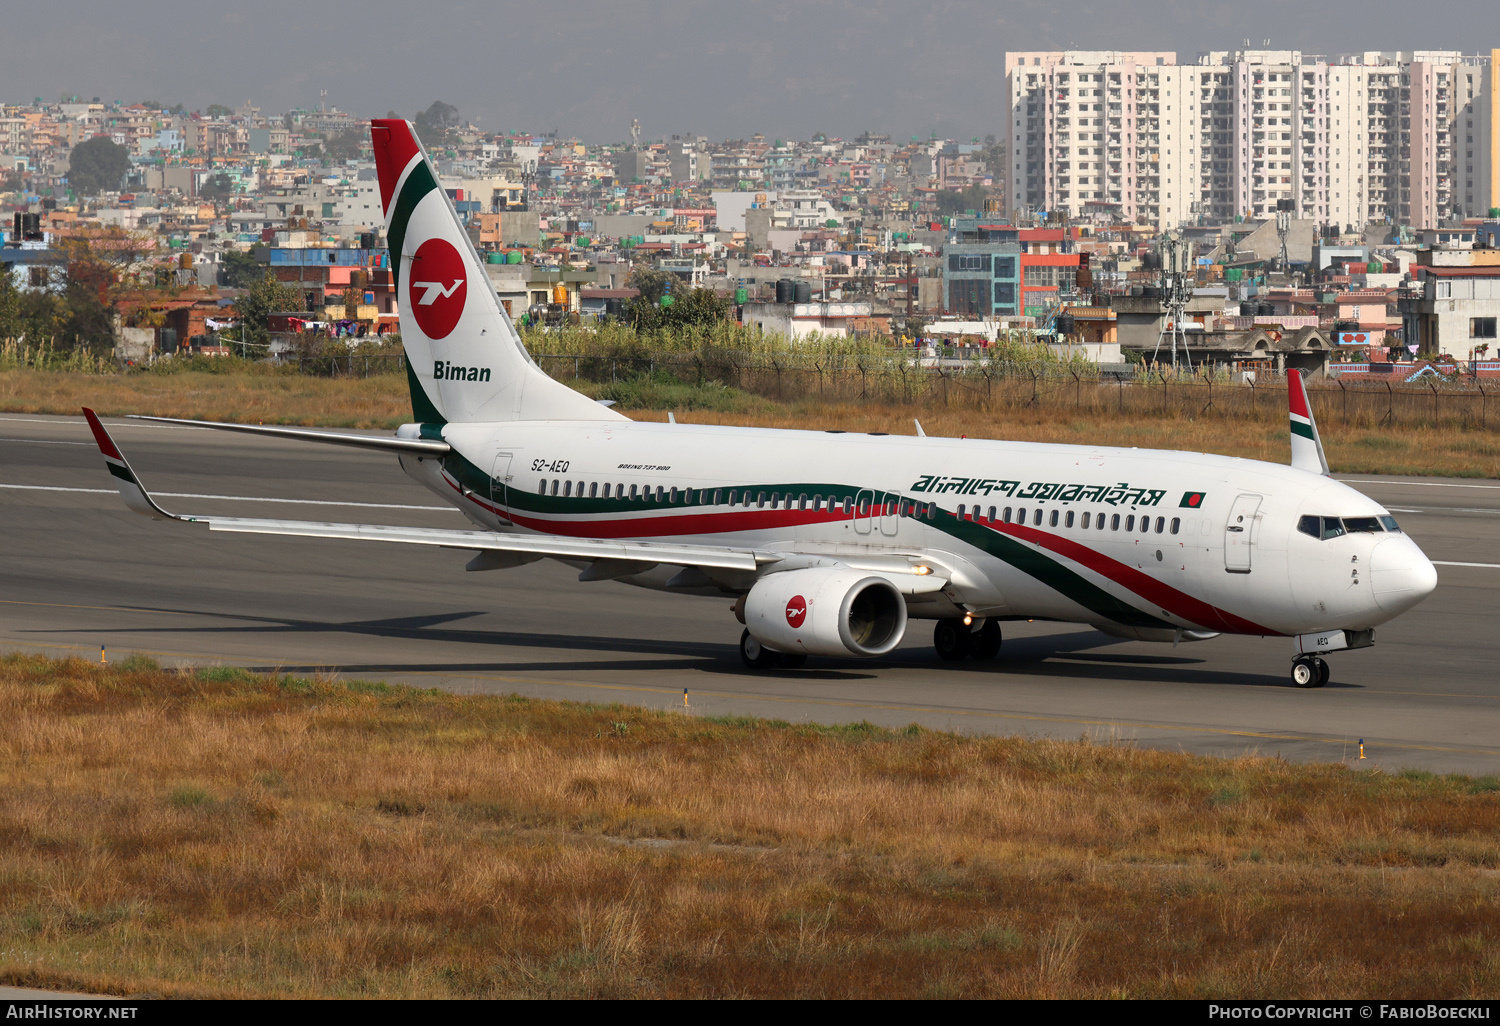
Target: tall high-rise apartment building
[{"x": 1410, "y": 137}]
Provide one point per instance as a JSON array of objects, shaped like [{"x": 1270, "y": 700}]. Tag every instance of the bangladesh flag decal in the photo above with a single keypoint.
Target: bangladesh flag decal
[{"x": 1191, "y": 500}]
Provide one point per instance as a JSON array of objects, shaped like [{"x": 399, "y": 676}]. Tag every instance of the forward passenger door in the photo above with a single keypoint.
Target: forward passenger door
[{"x": 1239, "y": 534}]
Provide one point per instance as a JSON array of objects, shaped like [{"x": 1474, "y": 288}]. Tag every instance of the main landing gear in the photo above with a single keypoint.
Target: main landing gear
[
  {"x": 758, "y": 657},
  {"x": 954, "y": 640},
  {"x": 1309, "y": 671}
]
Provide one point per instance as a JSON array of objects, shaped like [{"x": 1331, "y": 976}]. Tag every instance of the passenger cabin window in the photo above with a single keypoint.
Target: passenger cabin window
[
  {"x": 961, "y": 511},
  {"x": 932, "y": 511},
  {"x": 1130, "y": 523},
  {"x": 1053, "y": 521},
  {"x": 1036, "y": 519},
  {"x": 1007, "y": 514},
  {"x": 541, "y": 488},
  {"x": 554, "y": 486},
  {"x": 1115, "y": 522},
  {"x": 633, "y": 492},
  {"x": 1069, "y": 521},
  {"x": 1176, "y": 523},
  {"x": 1085, "y": 522},
  {"x": 1161, "y": 524},
  {"x": 594, "y": 490}
]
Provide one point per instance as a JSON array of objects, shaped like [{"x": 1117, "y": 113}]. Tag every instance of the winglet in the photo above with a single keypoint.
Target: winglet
[
  {"x": 1307, "y": 447},
  {"x": 131, "y": 490}
]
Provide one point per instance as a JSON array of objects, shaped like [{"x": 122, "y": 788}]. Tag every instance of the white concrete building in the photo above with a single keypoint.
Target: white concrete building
[{"x": 1406, "y": 136}]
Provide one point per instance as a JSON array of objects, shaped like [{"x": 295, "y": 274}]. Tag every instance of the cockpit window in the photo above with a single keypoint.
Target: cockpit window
[
  {"x": 1363, "y": 525},
  {"x": 1322, "y": 527},
  {"x": 1391, "y": 525}
]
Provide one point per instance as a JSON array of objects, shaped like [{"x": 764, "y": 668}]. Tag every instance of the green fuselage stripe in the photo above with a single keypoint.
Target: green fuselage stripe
[{"x": 1030, "y": 561}]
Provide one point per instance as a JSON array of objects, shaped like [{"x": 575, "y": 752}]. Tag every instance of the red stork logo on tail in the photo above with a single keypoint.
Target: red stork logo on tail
[
  {"x": 437, "y": 288},
  {"x": 796, "y": 611}
]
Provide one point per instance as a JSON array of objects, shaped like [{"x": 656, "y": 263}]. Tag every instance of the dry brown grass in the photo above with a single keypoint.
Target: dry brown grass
[
  {"x": 377, "y": 401},
  {"x": 382, "y": 402},
  {"x": 215, "y": 833}
]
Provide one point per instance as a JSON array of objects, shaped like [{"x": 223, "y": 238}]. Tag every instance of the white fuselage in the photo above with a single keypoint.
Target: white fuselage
[{"x": 1112, "y": 537}]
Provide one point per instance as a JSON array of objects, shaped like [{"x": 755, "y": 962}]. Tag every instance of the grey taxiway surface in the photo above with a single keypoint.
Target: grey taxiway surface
[{"x": 77, "y": 571}]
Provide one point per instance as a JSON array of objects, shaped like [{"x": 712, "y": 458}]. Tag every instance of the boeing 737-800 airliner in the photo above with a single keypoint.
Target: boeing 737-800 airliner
[{"x": 829, "y": 543}]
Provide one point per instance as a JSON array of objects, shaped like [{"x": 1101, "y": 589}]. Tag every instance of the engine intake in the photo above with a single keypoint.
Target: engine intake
[{"x": 826, "y": 611}]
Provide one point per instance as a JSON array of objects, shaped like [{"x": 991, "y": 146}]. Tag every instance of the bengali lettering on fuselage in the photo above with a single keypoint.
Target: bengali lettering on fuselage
[{"x": 1120, "y": 494}]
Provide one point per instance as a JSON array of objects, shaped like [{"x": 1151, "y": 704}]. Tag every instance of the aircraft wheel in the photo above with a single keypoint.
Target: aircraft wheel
[
  {"x": 1305, "y": 672},
  {"x": 789, "y": 661},
  {"x": 951, "y": 639},
  {"x": 985, "y": 642},
  {"x": 755, "y": 655},
  {"x": 1323, "y": 672}
]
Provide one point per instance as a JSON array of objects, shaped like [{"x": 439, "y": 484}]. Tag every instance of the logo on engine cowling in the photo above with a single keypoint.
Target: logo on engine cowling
[{"x": 796, "y": 611}]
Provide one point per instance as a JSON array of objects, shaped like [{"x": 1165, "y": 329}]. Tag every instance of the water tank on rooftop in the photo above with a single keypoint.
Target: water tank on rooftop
[
  {"x": 1247, "y": 309},
  {"x": 494, "y": 258},
  {"x": 560, "y": 294},
  {"x": 513, "y": 257},
  {"x": 786, "y": 290},
  {"x": 803, "y": 292},
  {"x": 1265, "y": 310},
  {"x": 741, "y": 296}
]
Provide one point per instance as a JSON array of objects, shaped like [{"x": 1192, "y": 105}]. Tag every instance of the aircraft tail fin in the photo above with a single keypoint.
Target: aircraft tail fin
[
  {"x": 1307, "y": 446},
  {"x": 464, "y": 359}
]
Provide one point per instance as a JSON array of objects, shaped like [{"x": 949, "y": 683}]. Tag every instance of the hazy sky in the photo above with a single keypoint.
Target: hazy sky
[{"x": 716, "y": 68}]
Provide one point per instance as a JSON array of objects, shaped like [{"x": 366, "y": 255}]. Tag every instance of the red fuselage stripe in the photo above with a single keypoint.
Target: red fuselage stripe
[
  {"x": 1176, "y": 603},
  {"x": 1165, "y": 596}
]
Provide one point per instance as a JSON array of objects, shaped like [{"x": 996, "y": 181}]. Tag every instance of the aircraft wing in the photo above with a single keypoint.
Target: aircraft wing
[
  {"x": 416, "y": 446},
  {"x": 617, "y": 554}
]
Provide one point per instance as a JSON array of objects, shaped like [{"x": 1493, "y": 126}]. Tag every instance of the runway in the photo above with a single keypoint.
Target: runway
[{"x": 78, "y": 570}]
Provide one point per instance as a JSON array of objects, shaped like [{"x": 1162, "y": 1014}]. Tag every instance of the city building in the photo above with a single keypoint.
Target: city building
[{"x": 1407, "y": 137}]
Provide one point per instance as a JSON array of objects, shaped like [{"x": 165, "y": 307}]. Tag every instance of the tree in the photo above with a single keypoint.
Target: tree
[
  {"x": 97, "y": 165},
  {"x": 956, "y": 201},
  {"x": 216, "y": 187},
  {"x": 434, "y": 123},
  {"x": 345, "y": 145},
  {"x": 262, "y": 298},
  {"x": 218, "y": 110},
  {"x": 689, "y": 306},
  {"x": 239, "y": 270}
]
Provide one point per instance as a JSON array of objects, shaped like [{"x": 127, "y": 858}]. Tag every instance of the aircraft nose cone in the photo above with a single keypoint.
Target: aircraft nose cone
[{"x": 1401, "y": 575}]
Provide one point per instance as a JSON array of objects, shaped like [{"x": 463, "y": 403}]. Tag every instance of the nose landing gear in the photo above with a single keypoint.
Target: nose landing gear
[{"x": 1309, "y": 671}]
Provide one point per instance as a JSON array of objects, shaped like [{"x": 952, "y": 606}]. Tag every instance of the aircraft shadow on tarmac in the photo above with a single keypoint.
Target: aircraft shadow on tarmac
[{"x": 1064, "y": 654}]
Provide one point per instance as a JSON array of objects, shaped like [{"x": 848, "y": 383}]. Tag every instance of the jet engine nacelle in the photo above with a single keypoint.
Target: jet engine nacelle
[{"x": 826, "y": 611}]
